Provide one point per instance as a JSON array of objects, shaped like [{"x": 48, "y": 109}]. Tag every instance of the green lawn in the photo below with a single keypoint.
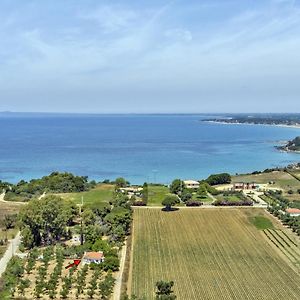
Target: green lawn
[
  {"x": 206, "y": 199},
  {"x": 156, "y": 194},
  {"x": 261, "y": 222},
  {"x": 102, "y": 193}
]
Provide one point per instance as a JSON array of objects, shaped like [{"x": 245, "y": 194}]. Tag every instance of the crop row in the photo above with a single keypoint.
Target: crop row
[{"x": 210, "y": 254}]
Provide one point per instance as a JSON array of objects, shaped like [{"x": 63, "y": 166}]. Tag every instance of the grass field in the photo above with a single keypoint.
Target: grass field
[
  {"x": 156, "y": 194},
  {"x": 102, "y": 193},
  {"x": 210, "y": 254}
]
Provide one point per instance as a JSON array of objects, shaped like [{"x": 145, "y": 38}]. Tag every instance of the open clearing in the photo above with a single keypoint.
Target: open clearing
[
  {"x": 212, "y": 254},
  {"x": 101, "y": 194}
]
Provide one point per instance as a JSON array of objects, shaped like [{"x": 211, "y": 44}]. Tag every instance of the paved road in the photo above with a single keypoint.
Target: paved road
[
  {"x": 118, "y": 283},
  {"x": 10, "y": 252}
]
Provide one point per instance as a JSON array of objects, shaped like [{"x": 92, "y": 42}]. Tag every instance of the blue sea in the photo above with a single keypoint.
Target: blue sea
[{"x": 152, "y": 148}]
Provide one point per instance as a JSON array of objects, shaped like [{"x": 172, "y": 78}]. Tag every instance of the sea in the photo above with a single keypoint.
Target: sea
[{"x": 140, "y": 148}]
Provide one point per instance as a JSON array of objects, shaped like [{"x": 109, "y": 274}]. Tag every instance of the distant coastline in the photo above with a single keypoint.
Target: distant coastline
[{"x": 227, "y": 122}]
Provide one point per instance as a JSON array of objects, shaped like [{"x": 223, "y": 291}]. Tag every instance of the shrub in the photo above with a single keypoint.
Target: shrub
[{"x": 193, "y": 203}]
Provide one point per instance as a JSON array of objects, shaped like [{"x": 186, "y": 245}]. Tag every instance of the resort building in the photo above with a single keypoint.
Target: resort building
[
  {"x": 191, "y": 184},
  {"x": 294, "y": 212},
  {"x": 93, "y": 257}
]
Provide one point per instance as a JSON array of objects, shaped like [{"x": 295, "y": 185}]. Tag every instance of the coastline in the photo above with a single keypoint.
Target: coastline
[{"x": 253, "y": 124}]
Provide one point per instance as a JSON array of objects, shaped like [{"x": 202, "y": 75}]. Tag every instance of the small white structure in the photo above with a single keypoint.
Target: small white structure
[
  {"x": 93, "y": 257},
  {"x": 294, "y": 212},
  {"x": 132, "y": 191},
  {"x": 191, "y": 184}
]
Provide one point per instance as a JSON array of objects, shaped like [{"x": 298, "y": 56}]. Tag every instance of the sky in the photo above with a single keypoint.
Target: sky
[{"x": 136, "y": 56}]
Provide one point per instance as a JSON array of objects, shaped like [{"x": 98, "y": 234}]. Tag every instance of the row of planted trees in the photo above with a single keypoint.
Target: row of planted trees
[
  {"x": 278, "y": 206},
  {"x": 57, "y": 284}
]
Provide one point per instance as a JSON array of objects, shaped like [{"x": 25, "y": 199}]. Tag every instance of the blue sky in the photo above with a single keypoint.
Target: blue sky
[{"x": 150, "y": 56}]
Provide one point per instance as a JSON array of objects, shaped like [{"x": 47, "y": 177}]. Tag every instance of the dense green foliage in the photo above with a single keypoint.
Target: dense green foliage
[
  {"x": 169, "y": 201},
  {"x": 177, "y": 186},
  {"x": 45, "y": 221},
  {"x": 11, "y": 278},
  {"x": 54, "y": 183},
  {"x": 164, "y": 290},
  {"x": 215, "y": 179},
  {"x": 277, "y": 206}
]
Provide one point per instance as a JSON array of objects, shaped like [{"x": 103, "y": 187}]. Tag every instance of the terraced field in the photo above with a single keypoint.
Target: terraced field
[{"x": 210, "y": 254}]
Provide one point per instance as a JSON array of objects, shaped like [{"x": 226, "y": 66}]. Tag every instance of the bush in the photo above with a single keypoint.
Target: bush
[
  {"x": 139, "y": 203},
  {"x": 193, "y": 203}
]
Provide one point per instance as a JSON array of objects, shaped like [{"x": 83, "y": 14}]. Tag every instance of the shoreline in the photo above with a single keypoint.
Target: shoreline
[{"x": 252, "y": 124}]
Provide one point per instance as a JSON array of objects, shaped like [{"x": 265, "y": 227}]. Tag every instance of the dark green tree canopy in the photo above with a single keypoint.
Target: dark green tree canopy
[
  {"x": 215, "y": 179},
  {"x": 177, "y": 186},
  {"x": 164, "y": 290},
  {"x": 44, "y": 221},
  {"x": 169, "y": 201}
]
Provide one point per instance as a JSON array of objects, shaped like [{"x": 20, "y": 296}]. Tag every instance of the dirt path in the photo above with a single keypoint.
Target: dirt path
[
  {"x": 9, "y": 202},
  {"x": 10, "y": 252},
  {"x": 118, "y": 284}
]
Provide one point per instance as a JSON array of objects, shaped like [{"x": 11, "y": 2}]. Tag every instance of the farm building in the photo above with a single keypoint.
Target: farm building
[
  {"x": 191, "y": 184},
  {"x": 245, "y": 186},
  {"x": 93, "y": 257},
  {"x": 294, "y": 212}
]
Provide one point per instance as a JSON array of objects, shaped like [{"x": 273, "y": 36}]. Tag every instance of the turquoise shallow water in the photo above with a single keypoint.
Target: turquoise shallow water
[{"x": 156, "y": 148}]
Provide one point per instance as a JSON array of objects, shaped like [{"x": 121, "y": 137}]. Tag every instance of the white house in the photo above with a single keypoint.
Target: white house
[
  {"x": 191, "y": 184},
  {"x": 294, "y": 212},
  {"x": 93, "y": 257}
]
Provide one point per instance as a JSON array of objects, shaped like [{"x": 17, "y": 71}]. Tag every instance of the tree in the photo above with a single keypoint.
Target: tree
[
  {"x": 44, "y": 221},
  {"x": 186, "y": 196},
  {"x": 9, "y": 221},
  {"x": 120, "y": 182},
  {"x": 164, "y": 290},
  {"x": 169, "y": 201},
  {"x": 177, "y": 186},
  {"x": 215, "y": 179},
  {"x": 111, "y": 263}
]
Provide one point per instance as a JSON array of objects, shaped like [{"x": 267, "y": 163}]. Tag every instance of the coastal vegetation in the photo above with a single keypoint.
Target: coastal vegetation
[
  {"x": 56, "y": 229},
  {"x": 54, "y": 183},
  {"x": 293, "y": 145},
  {"x": 265, "y": 119},
  {"x": 211, "y": 254}
]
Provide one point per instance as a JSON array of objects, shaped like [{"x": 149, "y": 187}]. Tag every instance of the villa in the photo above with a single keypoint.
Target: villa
[{"x": 191, "y": 184}]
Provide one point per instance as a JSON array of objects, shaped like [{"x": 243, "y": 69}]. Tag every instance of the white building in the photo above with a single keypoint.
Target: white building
[
  {"x": 191, "y": 184},
  {"x": 93, "y": 257},
  {"x": 294, "y": 212}
]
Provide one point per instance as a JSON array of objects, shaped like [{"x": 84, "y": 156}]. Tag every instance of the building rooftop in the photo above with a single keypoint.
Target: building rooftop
[
  {"x": 93, "y": 255},
  {"x": 293, "y": 211}
]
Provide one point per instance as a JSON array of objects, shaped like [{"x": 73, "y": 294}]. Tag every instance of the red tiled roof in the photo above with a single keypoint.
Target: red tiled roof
[
  {"x": 93, "y": 255},
  {"x": 293, "y": 211}
]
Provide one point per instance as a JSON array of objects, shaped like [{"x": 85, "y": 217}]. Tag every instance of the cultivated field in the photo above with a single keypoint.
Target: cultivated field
[{"x": 213, "y": 254}]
